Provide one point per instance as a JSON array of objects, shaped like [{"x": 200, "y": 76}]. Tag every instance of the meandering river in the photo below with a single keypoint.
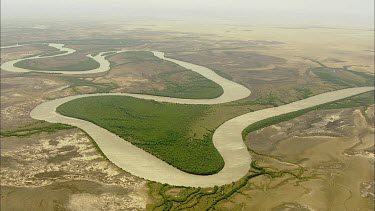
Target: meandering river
[{"x": 227, "y": 138}]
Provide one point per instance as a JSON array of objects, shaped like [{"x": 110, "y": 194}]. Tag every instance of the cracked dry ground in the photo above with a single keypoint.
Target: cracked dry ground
[
  {"x": 62, "y": 170},
  {"x": 336, "y": 150}
]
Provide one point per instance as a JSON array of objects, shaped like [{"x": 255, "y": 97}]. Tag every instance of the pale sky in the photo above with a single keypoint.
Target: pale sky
[{"x": 345, "y": 11}]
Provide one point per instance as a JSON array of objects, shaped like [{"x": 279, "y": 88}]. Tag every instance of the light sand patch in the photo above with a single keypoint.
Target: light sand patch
[
  {"x": 16, "y": 55},
  {"x": 128, "y": 81},
  {"x": 78, "y": 202},
  {"x": 84, "y": 201},
  {"x": 85, "y": 89}
]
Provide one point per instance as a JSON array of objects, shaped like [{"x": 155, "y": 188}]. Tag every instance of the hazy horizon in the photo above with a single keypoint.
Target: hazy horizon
[{"x": 341, "y": 12}]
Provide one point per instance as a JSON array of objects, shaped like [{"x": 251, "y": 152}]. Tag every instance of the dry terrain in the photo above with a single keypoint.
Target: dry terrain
[{"x": 336, "y": 149}]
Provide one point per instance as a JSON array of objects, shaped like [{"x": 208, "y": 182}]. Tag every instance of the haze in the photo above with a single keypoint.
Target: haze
[{"x": 344, "y": 12}]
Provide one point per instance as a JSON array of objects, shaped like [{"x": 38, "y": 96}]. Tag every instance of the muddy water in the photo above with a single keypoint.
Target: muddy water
[{"x": 227, "y": 138}]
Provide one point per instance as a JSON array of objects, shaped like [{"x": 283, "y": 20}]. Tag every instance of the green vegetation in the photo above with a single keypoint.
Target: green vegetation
[
  {"x": 86, "y": 64},
  {"x": 108, "y": 54},
  {"x": 52, "y": 53},
  {"x": 139, "y": 57},
  {"x": 209, "y": 198},
  {"x": 223, "y": 74},
  {"x": 305, "y": 91},
  {"x": 179, "y": 82},
  {"x": 162, "y": 129},
  {"x": 365, "y": 99},
  {"x": 343, "y": 77},
  {"x": 195, "y": 87},
  {"x": 268, "y": 100},
  {"x": 75, "y": 82},
  {"x": 26, "y": 132}
]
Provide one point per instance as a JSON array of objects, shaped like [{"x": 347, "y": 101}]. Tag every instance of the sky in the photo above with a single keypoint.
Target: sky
[{"x": 293, "y": 11}]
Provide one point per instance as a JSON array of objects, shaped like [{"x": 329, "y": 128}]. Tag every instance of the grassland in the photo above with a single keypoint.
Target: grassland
[{"x": 161, "y": 129}]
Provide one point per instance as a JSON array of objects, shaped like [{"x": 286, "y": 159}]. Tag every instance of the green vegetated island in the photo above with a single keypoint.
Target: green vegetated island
[
  {"x": 84, "y": 63},
  {"x": 162, "y": 129},
  {"x": 165, "y": 130},
  {"x": 179, "y": 82}
]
